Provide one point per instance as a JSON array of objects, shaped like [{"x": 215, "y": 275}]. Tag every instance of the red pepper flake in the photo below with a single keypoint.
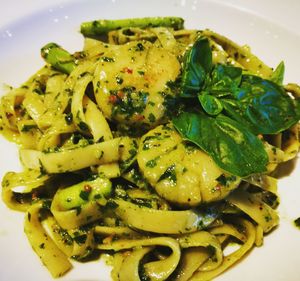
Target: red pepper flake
[
  {"x": 120, "y": 94},
  {"x": 139, "y": 117},
  {"x": 126, "y": 253},
  {"x": 109, "y": 239},
  {"x": 34, "y": 196},
  {"x": 127, "y": 70},
  {"x": 218, "y": 188},
  {"x": 112, "y": 99},
  {"x": 87, "y": 188}
]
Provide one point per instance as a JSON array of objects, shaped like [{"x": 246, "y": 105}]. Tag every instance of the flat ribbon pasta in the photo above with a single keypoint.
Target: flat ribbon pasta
[{"x": 55, "y": 260}]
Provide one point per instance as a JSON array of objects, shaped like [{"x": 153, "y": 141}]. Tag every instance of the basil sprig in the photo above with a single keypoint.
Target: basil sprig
[{"x": 234, "y": 108}]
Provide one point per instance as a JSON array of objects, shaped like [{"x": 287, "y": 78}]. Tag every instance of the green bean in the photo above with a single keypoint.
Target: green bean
[{"x": 101, "y": 27}]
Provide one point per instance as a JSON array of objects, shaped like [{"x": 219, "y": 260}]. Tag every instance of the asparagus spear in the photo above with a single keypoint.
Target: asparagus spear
[
  {"x": 59, "y": 58},
  {"x": 101, "y": 27},
  {"x": 76, "y": 195}
]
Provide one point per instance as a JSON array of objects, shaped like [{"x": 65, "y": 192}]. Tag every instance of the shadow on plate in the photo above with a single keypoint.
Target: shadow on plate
[{"x": 286, "y": 168}]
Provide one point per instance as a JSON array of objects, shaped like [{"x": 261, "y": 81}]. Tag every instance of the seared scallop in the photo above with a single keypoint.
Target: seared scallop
[{"x": 179, "y": 171}]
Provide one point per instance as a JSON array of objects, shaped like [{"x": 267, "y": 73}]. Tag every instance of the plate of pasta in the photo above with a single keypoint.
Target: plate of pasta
[{"x": 158, "y": 142}]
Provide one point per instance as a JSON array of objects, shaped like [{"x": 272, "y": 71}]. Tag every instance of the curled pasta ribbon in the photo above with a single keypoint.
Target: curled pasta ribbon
[
  {"x": 51, "y": 136},
  {"x": 156, "y": 270},
  {"x": 67, "y": 92},
  {"x": 130, "y": 266},
  {"x": 191, "y": 259},
  {"x": 204, "y": 239},
  {"x": 268, "y": 186},
  {"x": 242, "y": 55},
  {"x": 285, "y": 145},
  {"x": 9, "y": 114},
  {"x": 35, "y": 107},
  {"x": 52, "y": 257},
  {"x": 34, "y": 100},
  {"x": 54, "y": 86},
  {"x": 130, "y": 263},
  {"x": 291, "y": 143},
  {"x": 199, "y": 249},
  {"x": 84, "y": 77},
  {"x": 165, "y": 37},
  {"x": 265, "y": 182},
  {"x": 162, "y": 221},
  {"x": 51, "y": 100},
  {"x": 247, "y": 238},
  {"x": 73, "y": 242},
  {"x": 123, "y": 269},
  {"x": 28, "y": 180},
  {"x": 253, "y": 206},
  {"x": 96, "y": 121},
  {"x": 29, "y": 137},
  {"x": 128, "y": 152}
]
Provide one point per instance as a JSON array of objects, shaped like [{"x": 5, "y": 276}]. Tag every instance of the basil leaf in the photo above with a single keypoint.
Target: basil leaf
[
  {"x": 223, "y": 76},
  {"x": 197, "y": 63},
  {"x": 265, "y": 105},
  {"x": 234, "y": 110},
  {"x": 223, "y": 80},
  {"x": 210, "y": 104},
  {"x": 232, "y": 147},
  {"x": 278, "y": 74}
]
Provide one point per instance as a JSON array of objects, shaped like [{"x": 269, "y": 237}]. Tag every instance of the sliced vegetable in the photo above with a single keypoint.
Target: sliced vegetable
[
  {"x": 100, "y": 27},
  {"x": 59, "y": 58},
  {"x": 76, "y": 195}
]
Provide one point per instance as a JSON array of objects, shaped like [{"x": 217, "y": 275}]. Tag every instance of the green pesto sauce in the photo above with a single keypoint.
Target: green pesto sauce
[
  {"x": 169, "y": 174},
  {"x": 27, "y": 128},
  {"x": 132, "y": 102},
  {"x": 297, "y": 222}
]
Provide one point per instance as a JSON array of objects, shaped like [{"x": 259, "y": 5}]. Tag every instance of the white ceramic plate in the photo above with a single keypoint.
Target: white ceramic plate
[{"x": 269, "y": 27}]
